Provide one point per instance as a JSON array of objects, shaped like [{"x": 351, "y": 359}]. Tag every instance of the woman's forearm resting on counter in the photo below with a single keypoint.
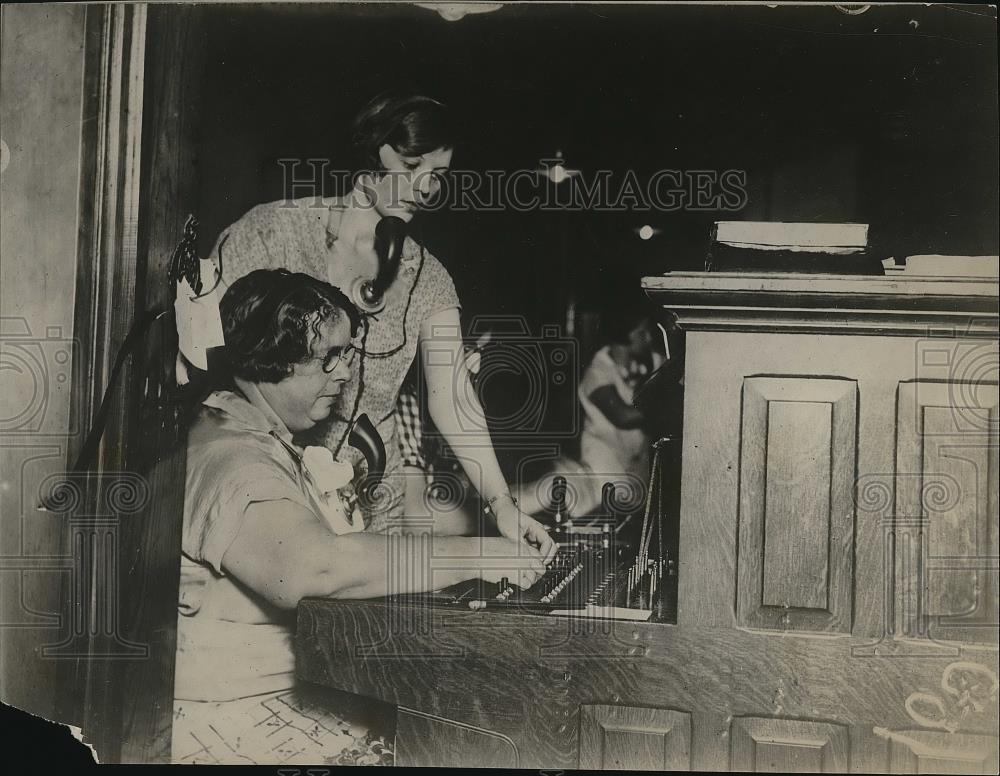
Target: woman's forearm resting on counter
[{"x": 284, "y": 553}]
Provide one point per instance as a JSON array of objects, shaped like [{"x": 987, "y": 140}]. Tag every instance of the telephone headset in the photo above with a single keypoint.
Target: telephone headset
[
  {"x": 183, "y": 264},
  {"x": 369, "y": 296}
]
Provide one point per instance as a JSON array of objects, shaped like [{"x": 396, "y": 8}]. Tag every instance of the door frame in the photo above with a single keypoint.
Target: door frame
[{"x": 138, "y": 183}]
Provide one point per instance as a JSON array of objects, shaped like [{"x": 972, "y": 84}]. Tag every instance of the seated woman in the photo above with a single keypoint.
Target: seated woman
[{"x": 264, "y": 527}]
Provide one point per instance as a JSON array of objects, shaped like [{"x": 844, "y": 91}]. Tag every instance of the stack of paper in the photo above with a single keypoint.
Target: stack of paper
[{"x": 949, "y": 266}]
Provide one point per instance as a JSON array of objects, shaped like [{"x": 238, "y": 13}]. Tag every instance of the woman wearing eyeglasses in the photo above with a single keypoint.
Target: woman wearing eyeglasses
[
  {"x": 264, "y": 526},
  {"x": 406, "y": 143}
]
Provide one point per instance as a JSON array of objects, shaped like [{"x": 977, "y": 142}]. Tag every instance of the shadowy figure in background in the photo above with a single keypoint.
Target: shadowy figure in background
[
  {"x": 616, "y": 437},
  {"x": 615, "y": 442}
]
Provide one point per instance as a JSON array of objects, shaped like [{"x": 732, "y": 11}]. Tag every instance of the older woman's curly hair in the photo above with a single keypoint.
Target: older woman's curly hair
[{"x": 271, "y": 317}]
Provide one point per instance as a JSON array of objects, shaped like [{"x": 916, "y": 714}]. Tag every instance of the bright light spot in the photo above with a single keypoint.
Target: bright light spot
[
  {"x": 645, "y": 232},
  {"x": 452, "y": 12},
  {"x": 558, "y": 173}
]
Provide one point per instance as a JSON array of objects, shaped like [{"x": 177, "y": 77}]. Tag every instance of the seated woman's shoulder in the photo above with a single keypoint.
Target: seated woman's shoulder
[
  {"x": 229, "y": 452},
  {"x": 216, "y": 433}
]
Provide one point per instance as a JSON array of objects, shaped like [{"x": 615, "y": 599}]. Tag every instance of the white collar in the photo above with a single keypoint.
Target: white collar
[{"x": 252, "y": 411}]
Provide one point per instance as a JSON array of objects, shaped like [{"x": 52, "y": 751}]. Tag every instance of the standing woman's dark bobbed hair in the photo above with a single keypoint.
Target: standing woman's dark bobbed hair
[{"x": 410, "y": 123}]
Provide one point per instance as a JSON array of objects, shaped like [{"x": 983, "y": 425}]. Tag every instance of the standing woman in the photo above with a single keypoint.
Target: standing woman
[{"x": 406, "y": 144}]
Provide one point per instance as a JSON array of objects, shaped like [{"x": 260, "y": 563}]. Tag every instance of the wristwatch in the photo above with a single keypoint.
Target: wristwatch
[{"x": 488, "y": 507}]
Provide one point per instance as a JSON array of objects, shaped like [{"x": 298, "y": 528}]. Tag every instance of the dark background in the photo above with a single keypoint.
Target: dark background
[{"x": 886, "y": 117}]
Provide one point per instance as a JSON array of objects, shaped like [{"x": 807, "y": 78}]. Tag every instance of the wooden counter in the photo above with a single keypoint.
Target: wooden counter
[{"x": 837, "y": 608}]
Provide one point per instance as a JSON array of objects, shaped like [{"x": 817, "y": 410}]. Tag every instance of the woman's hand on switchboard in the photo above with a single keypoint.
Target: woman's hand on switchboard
[
  {"x": 517, "y": 526},
  {"x": 502, "y": 558}
]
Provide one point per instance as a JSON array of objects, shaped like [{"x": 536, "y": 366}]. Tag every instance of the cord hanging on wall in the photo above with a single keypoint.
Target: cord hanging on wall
[
  {"x": 184, "y": 260},
  {"x": 199, "y": 324}
]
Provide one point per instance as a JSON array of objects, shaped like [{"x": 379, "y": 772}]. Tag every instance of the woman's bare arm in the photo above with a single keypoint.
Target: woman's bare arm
[
  {"x": 615, "y": 409},
  {"x": 421, "y": 512},
  {"x": 284, "y": 553},
  {"x": 458, "y": 415}
]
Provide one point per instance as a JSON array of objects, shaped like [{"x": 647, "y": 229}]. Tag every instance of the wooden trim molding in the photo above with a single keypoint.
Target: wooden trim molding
[
  {"x": 138, "y": 186},
  {"x": 175, "y": 57},
  {"x": 847, "y": 304},
  {"x": 105, "y": 304},
  {"x": 109, "y": 198}
]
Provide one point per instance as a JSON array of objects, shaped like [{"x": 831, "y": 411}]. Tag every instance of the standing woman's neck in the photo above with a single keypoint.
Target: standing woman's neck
[
  {"x": 362, "y": 204},
  {"x": 357, "y": 227}
]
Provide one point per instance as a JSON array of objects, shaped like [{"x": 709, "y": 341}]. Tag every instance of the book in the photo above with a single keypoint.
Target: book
[
  {"x": 779, "y": 246},
  {"x": 779, "y": 235}
]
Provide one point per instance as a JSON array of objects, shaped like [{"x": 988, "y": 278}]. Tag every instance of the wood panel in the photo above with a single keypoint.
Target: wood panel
[
  {"x": 946, "y": 510},
  {"x": 796, "y": 509},
  {"x": 716, "y": 365},
  {"x": 766, "y": 745},
  {"x": 797, "y": 498},
  {"x": 707, "y": 586},
  {"x": 527, "y": 677},
  {"x": 174, "y": 64},
  {"x": 641, "y": 739},
  {"x": 761, "y": 699}
]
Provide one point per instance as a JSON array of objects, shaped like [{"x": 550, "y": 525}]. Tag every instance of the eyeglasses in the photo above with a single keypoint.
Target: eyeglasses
[{"x": 334, "y": 358}]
